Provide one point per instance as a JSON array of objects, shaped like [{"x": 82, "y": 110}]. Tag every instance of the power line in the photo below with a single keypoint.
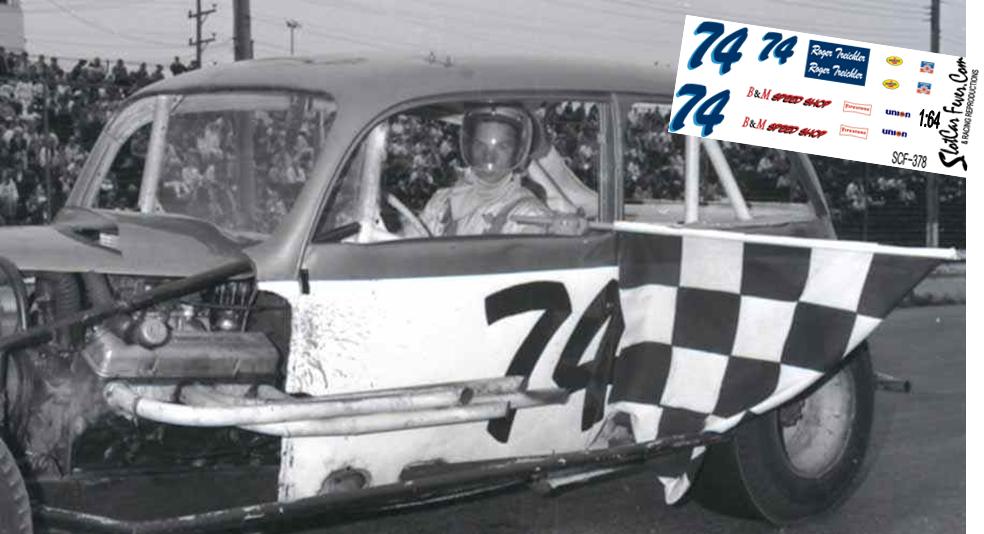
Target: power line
[
  {"x": 511, "y": 23},
  {"x": 846, "y": 8},
  {"x": 100, "y": 7},
  {"x": 331, "y": 34},
  {"x": 97, "y": 25}
]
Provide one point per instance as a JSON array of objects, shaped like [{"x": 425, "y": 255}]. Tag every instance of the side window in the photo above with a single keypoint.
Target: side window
[
  {"x": 237, "y": 160},
  {"x": 477, "y": 168},
  {"x": 654, "y": 167},
  {"x": 653, "y": 160},
  {"x": 121, "y": 188}
]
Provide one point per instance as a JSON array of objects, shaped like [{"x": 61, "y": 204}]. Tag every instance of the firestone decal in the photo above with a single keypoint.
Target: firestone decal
[
  {"x": 854, "y": 107},
  {"x": 854, "y": 131}
]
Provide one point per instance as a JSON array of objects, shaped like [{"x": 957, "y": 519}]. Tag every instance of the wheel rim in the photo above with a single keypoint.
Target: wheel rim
[{"x": 816, "y": 430}]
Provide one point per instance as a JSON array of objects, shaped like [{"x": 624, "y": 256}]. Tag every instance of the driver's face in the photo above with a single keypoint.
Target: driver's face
[{"x": 493, "y": 148}]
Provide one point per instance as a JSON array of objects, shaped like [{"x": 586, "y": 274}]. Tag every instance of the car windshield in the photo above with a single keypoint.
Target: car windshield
[{"x": 236, "y": 160}]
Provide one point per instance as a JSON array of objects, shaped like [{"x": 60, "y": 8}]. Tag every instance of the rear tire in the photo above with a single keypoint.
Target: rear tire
[
  {"x": 15, "y": 505},
  {"x": 799, "y": 461}
]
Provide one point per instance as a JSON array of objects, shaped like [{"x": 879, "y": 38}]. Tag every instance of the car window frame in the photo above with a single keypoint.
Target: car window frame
[
  {"x": 607, "y": 172},
  {"x": 802, "y": 168}
]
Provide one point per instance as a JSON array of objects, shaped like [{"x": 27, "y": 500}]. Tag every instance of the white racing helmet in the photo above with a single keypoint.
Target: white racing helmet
[{"x": 496, "y": 139}]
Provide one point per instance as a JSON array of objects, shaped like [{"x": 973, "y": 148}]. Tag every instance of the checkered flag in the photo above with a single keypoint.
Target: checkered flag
[{"x": 719, "y": 326}]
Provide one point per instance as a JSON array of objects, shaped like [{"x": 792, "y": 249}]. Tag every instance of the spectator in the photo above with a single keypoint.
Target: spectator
[
  {"x": 4, "y": 71},
  {"x": 177, "y": 67},
  {"x": 77, "y": 72},
  {"x": 119, "y": 74},
  {"x": 22, "y": 66},
  {"x": 141, "y": 77},
  {"x": 95, "y": 72},
  {"x": 55, "y": 70},
  {"x": 158, "y": 74},
  {"x": 39, "y": 70}
]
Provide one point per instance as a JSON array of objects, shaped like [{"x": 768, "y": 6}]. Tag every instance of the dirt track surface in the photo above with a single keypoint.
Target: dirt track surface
[{"x": 917, "y": 483}]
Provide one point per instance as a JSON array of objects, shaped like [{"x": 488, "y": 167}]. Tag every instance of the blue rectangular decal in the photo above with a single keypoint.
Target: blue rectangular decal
[{"x": 834, "y": 62}]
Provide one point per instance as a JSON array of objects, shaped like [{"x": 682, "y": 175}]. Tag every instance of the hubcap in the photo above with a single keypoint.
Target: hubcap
[{"x": 815, "y": 431}]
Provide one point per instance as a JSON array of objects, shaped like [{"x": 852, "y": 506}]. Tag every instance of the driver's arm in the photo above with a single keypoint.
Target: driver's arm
[
  {"x": 436, "y": 215},
  {"x": 531, "y": 207}
]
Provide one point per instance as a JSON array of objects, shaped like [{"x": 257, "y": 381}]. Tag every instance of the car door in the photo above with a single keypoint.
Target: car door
[{"x": 374, "y": 313}]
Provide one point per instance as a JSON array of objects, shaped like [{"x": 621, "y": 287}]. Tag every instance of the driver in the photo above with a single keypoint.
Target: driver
[{"x": 495, "y": 142}]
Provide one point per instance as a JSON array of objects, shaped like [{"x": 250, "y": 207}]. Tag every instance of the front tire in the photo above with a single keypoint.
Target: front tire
[
  {"x": 15, "y": 505},
  {"x": 801, "y": 460}
]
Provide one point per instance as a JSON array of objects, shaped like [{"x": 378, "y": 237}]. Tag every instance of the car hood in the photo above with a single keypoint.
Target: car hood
[{"x": 118, "y": 243}]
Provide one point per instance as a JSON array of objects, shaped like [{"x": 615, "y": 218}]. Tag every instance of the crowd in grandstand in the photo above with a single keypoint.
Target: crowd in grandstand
[{"x": 35, "y": 153}]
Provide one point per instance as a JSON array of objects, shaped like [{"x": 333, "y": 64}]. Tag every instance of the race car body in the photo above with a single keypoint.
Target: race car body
[{"x": 247, "y": 269}]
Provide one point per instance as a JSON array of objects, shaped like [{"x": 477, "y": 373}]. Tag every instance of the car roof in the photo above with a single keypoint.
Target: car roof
[{"x": 378, "y": 81}]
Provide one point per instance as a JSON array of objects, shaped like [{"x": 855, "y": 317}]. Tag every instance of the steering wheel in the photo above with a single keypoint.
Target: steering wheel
[{"x": 403, "y": 210}]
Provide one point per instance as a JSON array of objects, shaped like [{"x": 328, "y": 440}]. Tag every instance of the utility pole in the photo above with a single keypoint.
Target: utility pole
[
  {"x": 198, "y": 42},
  {"x": 292, "y": 25},
  {"x": 244, "y": 121},
  {"x": 933, "y": 180},
  {"x": 241, "y": 32}
]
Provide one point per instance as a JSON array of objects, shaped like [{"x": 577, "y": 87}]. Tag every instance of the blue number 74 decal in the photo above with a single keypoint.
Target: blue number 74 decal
[{"x": 707, "y": 115}]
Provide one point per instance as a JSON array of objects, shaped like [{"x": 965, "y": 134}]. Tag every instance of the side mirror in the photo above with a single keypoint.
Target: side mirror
[{"x": 334, "y": 235}]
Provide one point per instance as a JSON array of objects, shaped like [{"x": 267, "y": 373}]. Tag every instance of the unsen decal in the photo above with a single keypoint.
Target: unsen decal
[
  {"x": 763, "y": 94},
  {"x": 894, "y": 61},
  {"x": 897, "y": 113},
  {"x": 787, "y": 98},
  {"x": 760, "y": 124},
  {"x": 891, "y": 84},
  {"x": 854, "y": 107},
  {"x": 924, "y": 88},
  {"x": 854, "y": 131},
  {"x": 834, "y": 62},
  {"x": 894, "y": 133},
  {"x": 926, "y": 67},
  {"x": 962, "y": 102},
  {"x": 755, "y": 124},
  {"x": 929, "y": 119}
]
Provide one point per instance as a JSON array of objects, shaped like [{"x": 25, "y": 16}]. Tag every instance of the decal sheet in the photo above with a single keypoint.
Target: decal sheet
[{"x": 827, "y": 96}]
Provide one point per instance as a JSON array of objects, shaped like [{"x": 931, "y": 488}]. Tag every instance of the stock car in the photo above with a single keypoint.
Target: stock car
[{"x": 229, "y": 326}]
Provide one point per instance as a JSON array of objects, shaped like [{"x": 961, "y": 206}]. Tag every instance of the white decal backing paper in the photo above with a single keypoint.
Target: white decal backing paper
[{"x": 826, "y": 96}]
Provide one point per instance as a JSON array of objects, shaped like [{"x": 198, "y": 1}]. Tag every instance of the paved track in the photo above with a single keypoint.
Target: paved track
[{"x": 917, "y": 483}]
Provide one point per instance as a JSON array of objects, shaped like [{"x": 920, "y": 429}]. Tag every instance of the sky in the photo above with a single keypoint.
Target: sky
[{"x": 643, "y": 31}]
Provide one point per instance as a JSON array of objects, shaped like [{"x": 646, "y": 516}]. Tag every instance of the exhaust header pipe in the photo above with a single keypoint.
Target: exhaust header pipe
[{"x": 337, "y": 415}]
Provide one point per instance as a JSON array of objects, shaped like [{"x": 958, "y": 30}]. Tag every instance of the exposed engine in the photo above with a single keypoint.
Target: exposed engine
[
  {"x": 223, "y": 308},
  {"x": 229, "y": 333}
]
